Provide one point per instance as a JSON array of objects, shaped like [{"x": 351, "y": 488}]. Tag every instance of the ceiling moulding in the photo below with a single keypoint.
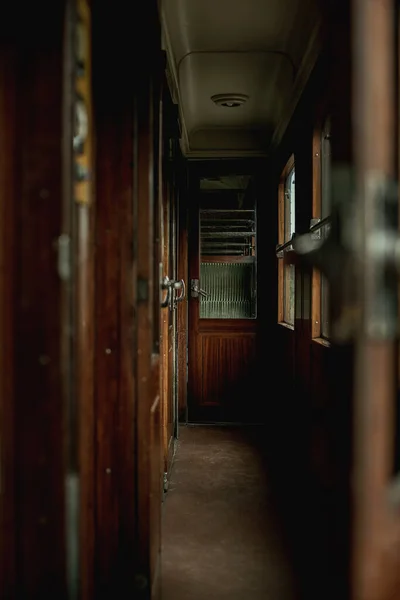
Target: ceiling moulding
[
  {"x": 238, "y": 138},
  {"x": 229, "y": 150},
  {"x": 172, "y": 76},
  {"x": 222, "y": 154},
  {"x": 171, "y": 86},
  {"x": 306, "y": 66},
  {"x": 281, "y": 53}
]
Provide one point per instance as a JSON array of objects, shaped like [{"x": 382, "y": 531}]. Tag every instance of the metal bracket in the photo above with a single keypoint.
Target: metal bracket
[
  {"x": 286, "y": 246},
  {"x": 316, "y": 235},
  {"x": 379, "y": 255}
]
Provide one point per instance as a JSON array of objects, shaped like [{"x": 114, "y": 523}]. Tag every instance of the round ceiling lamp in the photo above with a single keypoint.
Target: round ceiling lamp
[{"x": 229, "y": 100}]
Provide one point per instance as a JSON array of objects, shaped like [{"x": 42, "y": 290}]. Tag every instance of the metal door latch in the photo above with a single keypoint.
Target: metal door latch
[
  {"x": 195, "y": 289},
  {"x": 179, "y": 285},
  {"x": 172, "y": 286}
]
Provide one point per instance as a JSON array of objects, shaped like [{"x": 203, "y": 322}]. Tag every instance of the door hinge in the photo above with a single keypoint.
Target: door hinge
[
  {"x": 142, "y": 289},
  {"x": 141, "y": 582},
  {"x": 165, "y": 482},
  {"x": 64, "y": 257}
]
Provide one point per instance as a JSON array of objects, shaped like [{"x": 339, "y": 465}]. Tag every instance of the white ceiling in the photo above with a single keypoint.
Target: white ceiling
[{"x": 264, "y": 49}]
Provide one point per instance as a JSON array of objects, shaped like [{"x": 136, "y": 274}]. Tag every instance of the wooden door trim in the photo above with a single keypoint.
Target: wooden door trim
[{"x": 376, "y": 360}]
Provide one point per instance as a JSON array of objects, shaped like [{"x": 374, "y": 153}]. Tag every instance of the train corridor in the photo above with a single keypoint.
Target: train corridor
[{"x": 220, "y": 536}]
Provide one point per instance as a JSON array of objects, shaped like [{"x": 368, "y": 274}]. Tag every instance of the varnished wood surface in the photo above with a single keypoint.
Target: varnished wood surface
[
  {"x": 114, "y": 434},
  {"x": 316, "y": 424},
  {"x": 8, "y": 95},
  {"x": 82, "y": 439},
  {"x": 166, "y": 334},
  {"x": 149, "y": 449},
  {"x": 182, "y": 316},
  {"x": 32, "y": 560}
]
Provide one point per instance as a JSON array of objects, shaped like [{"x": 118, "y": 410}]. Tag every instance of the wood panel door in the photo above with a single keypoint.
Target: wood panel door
[
  {"x": 174, "y": 292},
  {"x": 35, "y": 320},
  {"x": 148, "y": 253},
  {"x": 375, "y": 556},
  {"x": 168, "y": 320},
  {"x": 363, "y": 295},
  {"x": 222, "y": 297}
]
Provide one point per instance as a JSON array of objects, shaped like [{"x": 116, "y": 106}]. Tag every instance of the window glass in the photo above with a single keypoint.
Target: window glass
[
  {"x": 228, "y": 248},
  {"x": 325, "y": 212},
  {"x": 289, "y": 270}
]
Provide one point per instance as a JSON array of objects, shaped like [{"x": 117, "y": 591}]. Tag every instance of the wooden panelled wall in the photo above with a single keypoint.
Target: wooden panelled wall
[
  {"x": 32, "y": 400},
  {"x": 80, "y": 498},
  {"x": 114, "y": 391},
  {"x": 310, "y": 423},
  {"x": 128, "y": 434}
]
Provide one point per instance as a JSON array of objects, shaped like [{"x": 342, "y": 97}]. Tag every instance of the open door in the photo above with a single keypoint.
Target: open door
[
  {"x": 223, "y": 296},
  {"x": 148, "y": 252},
  {"x": 175, "y": 293},
  {"x": 174, "y": 289},
  {"x": 375, "y": 565},
  {"x": 359, "y": 257},
  {"x": 149, "y": 454}
]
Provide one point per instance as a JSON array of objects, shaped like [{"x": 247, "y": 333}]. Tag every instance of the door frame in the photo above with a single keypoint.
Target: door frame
[{"x": 196, "y": 170}]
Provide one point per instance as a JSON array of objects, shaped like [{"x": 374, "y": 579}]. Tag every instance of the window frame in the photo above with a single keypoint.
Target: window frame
[
  {"x": 283, "y": 263},
  {"x": 317, "y": 199}
]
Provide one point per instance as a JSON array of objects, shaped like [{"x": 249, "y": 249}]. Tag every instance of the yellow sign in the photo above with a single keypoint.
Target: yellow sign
[{"x": 83, "y": 125}]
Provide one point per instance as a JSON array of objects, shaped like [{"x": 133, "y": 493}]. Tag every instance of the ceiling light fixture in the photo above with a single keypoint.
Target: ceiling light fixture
[{"x": 229, "y": 100}]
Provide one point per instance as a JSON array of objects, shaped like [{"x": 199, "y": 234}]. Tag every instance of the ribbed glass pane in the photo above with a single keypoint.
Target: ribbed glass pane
[{"x": 231, "y": 290}]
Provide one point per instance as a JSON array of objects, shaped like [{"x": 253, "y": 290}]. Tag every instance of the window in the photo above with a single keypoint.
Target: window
[
  {"x": 228, "y": 248},
  {"x": 286, "y": 227},
  {"x": 321, "y": 210}
]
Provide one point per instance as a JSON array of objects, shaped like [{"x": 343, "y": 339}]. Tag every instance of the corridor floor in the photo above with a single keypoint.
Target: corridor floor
[{"x": 220, "y": 538}]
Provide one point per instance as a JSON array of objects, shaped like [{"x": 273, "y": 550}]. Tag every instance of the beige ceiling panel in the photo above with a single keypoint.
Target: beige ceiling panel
[
  {"x": 231, "y": 139},
  {"x": 264, "y": 78},
  {"x": 229, "y": 24},
  {"x": 261, "y": 49}
]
